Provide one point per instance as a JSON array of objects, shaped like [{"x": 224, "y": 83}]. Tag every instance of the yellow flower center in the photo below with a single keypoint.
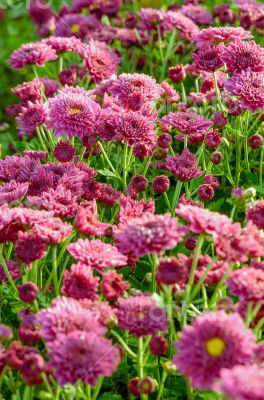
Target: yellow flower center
[
  {"x": 215, "y": 346},
  {"x": 75, "y": 110},
  {"x": 76, "y": 28}
]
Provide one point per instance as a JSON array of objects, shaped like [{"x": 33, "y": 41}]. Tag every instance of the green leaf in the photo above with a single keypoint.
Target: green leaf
[{"x": 107, "y": 172}]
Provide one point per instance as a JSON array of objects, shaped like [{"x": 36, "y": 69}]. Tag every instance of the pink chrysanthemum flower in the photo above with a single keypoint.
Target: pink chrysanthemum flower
[
  {"x": 133, "y": 91},
  {"x": 32, "y": 53},
  {"x": 61, "y": 201},
  {"x": 197, "y": 14},
  {"x": 150, "y": 18},
  {"x": 176, "y": 20},
  {"x": 53, "y": 231},
  {"x": 81, "y": 356},
  {"x": 216, "y": 35},
  {"x": 50, "y": 86},
  {"x": 29, "y": 247},
  {"x": 134, "y": 128},
  {"x": 215, "y": 340},
  {"x": 100, "y": 60},
  {"x": 65, "y": 44},
  {"x": 96, "y": 254},
  {"x": 240, "y": 56},
  {"x": 75, "y": 25},
  {"x": 247, "y": 282},
  {"x": 113, "y": 285},
  {"x": 149, "y": 234},
  {"x": 187, "y": 123},
  {"x": 141, "y": 316},
  {"x": 255, "y": 213},
  {"x": 102, "y": 308},
  {"x": 202, "y": 220},
  {"x": 73, "y": 113},
  {"x": 243, "y": 382},
  {"x": 67, "y": 315},
  {"x": 30, "y": 217},
  {"x": 133, "y": 209},
  {"x": 64, "y": 151},
  {"x": 31, "y": 116},
  {"x": 79, "y": 283},
  {"x": 183, "y": 166},
  {"x": 86, "y": 222},
  {"x": 209, "y": 58},
  {"x": 13, "y": 269},
  {"x": 13, "y": 192},
  {"x": 36, "y": 154},
  {"x": 29, "y": 91}
]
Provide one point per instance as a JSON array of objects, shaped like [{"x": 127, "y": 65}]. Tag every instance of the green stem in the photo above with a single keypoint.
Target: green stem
[
  {"x": 140, "y": 358},
  {"x": 39, "y": 134},
  {"x": 88, "y": 393},
  {"x": 35, "y": 72},
  {"x": 6, "y": 270},
  {"x": 108, "y": 161},
  {"x": 261, "y": 166},
  {"x": 233, "y": 211},
  {"x": 217, "y": 92},
  {"x": 238, "y": 158},
  {"x": 55, "y": 270},
  {"x": 155, "y": 263},
  {"x": 167, "y": 201},
  {"x": 126, "y": 347},
  {"x": 97, "y": 388},
  {"x": 201, "y": 281},
  {"x": 162, "y": 383},
  {"x": 125, "y": 166},
  {"x": 176, "y": 195}
]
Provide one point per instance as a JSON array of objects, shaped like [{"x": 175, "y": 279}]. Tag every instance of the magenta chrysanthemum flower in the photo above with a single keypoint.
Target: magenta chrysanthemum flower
[
  {"x": 86, "y": 222},
  {"x": 197, "y": 14},
  {"x": 29, "y": 91},
  {"x": 183, "y": 166},
  {"x": 32, "y": 53},
  {"x": 31, "y": 116},
  {"x": 74, "y": 24},
  {"x": 249, "y": 87},
  {"x": 150, "y": 18},
  {"x": 215, "y": 340},
  {"x": 216, "y": 35},
  {"x": 134, "y": 128},
  {"x": 65, "y": 44},
  {"x": 29, "y": 247},
  {"x": 135, "y": 90},
  {"x": 247, "y": 282},
  {"x": 187, "y": 123},
  {"x": 255, "y": 213},
  {"x": 64, "y": 151},
  {"x": 100, "y": 60},
  {"x": 176, "y": 20},
  {"x": 36, "y": 154},
  {"x": 133, "y": 209},
  {"x": 202, "y": 220},
  {"x": 61, "y": 201},
  {"x": 209, "y": 58},
  {"x": 243, "y": 382},
  {"x": 113, "y": 285},
  {"x": 149, "y": 234},
  {"x": 105, "y": 311},
  {"x": 12, "y": 192},
  {"x": 50, "y": 86},
  {"x": 81, "y": 356},
  {"x": 73, "y": 113},
  {"x": 96, "y": 254},
  {"x": 242, "y": 55},
  {"x": 79, "y": 283},
  {"x": 13, "y": 269},
  {"x": 53, "y": 231},
  {"x": 140, "y": 316},
  {"x": 67, "y": 315}
]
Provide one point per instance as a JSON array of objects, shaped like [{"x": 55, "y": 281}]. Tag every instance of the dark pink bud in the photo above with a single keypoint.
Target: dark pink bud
[
  {"x": 213, "y": 139},
  {"x": 177, "y": 73},
  {"x": 88, "y": 141},
  {"x": 139, "y": 183},
  {"x": 235, "y": 108},
  {"x": 205, "y": 192},
  {"x": 220, "y": 119},
  {"x": 216, "y": 157},
  {"x": 158, "y": 345},
  {"x": 68, "y": 77},
  {"x": 164, "y": 140},
  {"x": 207, "y": 85},
  {"x": 255, "y": 141},
  {"x": 161, "y": 184},
  {"x": 146, "y": 385},
  {"x": 190, "y": 243},
  {"x": 132, "y": 386},
  {"x": 160, "y": 153},
  {"x": 64, "y": 151},
  {"x": 141, "y": 150},
  {"x": 211, "y": 180},
  {"x": 28, "y": 292}
]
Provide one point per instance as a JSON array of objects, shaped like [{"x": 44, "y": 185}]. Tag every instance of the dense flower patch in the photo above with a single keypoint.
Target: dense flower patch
[{"x": 131, "y": 204}]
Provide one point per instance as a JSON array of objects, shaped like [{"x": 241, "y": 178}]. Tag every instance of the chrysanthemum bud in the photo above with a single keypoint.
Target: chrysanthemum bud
[
  {"x": 216, "y": 157},
  {"x": 28, "y": 292},
  {"x": 64, "y": 151},
  {"x": 190, "y": 243},
  {"x": 205, "y": 192},
  {"x": 161, "y": 184},
  {"x": 255, "y": 141},
  {"x": 147, "y": 385},
  {"x": 164, "y": 140},
  {"x": 132, "y": 386},
  {"x": 158, "y": 345},
  {"x": 139, "y": 183},
  {"x": 169, "y": 367},
  {"x": 211, "y": 180},
  {"x": 177, "y": 73}
]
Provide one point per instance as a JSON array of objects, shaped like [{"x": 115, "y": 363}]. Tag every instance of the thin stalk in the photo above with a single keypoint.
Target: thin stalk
[
  {"x": 35, "y": 72},
  {"x": 97, "y": 388},
  {"x": 39, "y": 134},
  {"x": 155, "y": 263},
  {"x": 60, "y": 64},
  {"x": 126, "y": 347},
  {"x": 162, "y": 383},
  {"x": 201, "y": 281},
  {"x": 217, "y": 92},
  {"x": 176, "y": 195},
  {"x": 87, "y": 389},
  {"x": 108, "y": 161},
  {"x": 167, "y": 201},
  {"x": 55, "y": 270},
  {"x": 6, "y": 270},
  {"x": 140, "y": 358},
  {"x": 184, "y": 97},
  {"x": 125, "y": 166}
]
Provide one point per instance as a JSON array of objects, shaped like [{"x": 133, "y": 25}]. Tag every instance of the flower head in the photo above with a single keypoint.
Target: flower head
[
  {"x": 240, "y": 56},
  {"x": 64, "y": 151},
  {"x": 82, "y": 356},
  {"x": 31, "y": 116},
  {"x": 183, "y": 166},
  {"x": 96, "y": 254},
  {"x": 12, "y": 192},
  {"x": 79, "y": 283},
  {"x": 255, "y": 213},
  {"x": 113, "y": 285},
  {"x": 29, "y": 247},
  {"x": 216, "y": 35},
  {"x": 148, "y": 234},
  {"x": 247, "y": 283},
  {"x": 32, "y": 53},
  {"x": 141, "y": 316},
  {"x": 209, "y": 58},
  {"x": 53, "y": 231},
  {"x": 215, "y": 340},
  {"x": 187, "y": 123}
]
